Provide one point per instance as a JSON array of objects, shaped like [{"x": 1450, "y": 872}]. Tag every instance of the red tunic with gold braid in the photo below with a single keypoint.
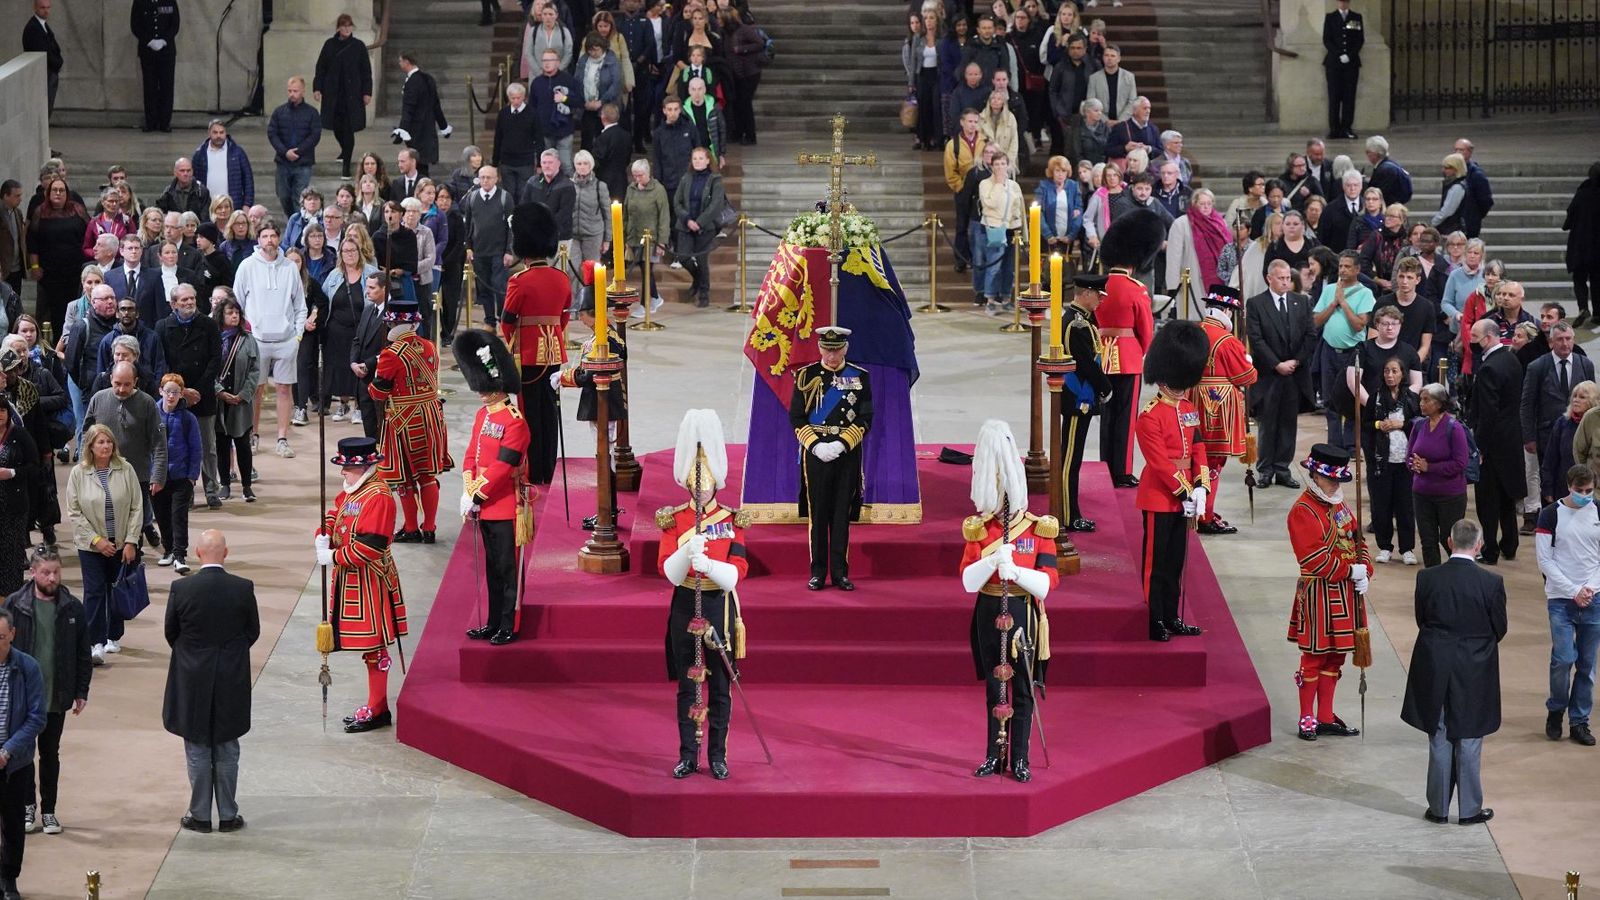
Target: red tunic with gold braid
[
  {"x": 415, "y": 443},
  {"x": 724, "y": 532},
  {"x": 493, "y": 467},
  {"x": 1326, "y": 612},
  {"x": 1174, "y": 454},
  {"x": 1033, "y": 546},
  {"x": 1125, "y": 323},
  {"x": 364, "y": 605},
  {"x": 1220, "y": 397},
  {"x": 536, "y": 315}
]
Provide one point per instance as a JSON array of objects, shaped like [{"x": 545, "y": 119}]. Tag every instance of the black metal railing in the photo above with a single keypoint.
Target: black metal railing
[{"x": 1453, "y": 58}]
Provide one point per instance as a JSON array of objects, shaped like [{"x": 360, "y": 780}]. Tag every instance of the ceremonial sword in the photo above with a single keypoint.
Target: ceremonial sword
[
  {"x": 1038, "y": 703},
  {"x": 721, "y": 647}
]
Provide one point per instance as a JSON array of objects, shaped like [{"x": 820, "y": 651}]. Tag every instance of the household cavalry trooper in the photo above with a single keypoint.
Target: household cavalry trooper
[
  {"x": 365, "y": 607},
  {"x": 1010, "y": 563},
  {"x": 1328, "y": 604},
  {"x": 702, "y": 553},
  {"x": 1173, "y": 491},
  {"x": 1220, "y": 398},
  {"x": 494, "y": 489},
  {"x": 1085, "y": 393},
  {"x": 416, "y": 445},
  {"x": 1127, "y": 328},
  {"x": 831, "y": 412}
]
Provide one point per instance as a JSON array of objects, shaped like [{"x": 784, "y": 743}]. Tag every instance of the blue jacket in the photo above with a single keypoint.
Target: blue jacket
[
  {"x": 183, "y": 442},
  {"x": 1045, "y": 194},
  {"x": 295, "y": 128},
  {"x": 26, "y": 717},
  {"x": 241, "y": 179},
  {"x": 555, "y": 123},
  {"x": 608, "y": 82},
  {"x": 1557, "y": 457},
  {"x": 152, "y": 355}
]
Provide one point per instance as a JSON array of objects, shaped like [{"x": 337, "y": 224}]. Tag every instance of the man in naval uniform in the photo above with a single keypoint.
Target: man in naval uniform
[{"x": 831, "y": 411}]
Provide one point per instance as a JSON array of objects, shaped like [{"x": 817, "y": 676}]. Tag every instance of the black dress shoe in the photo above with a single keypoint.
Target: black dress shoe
[
  {"x": 1182, "y": 628},
  {"x": 989, "y": 767},
  {"x": 1125, "y": 481},
  {"x": 427, "y": 537},
  {"x": 1437, "y": 820},
  {"x": 961, "y": 267},
  {"x": 501, "y": 638},
  {"x": 8, "y": 889},
  {"x": 407, "y": 537},
  {"x": 685, "y": 768},
  {"x": 481, "y": 633},
  {"x": 1285, "y": 479},
  {"x": 381, "y": 720},
  {"x": 1552, "y": 725},
  {"x": 814, "y": 583},
  {"x": 1508, "y": 555},
  {"x": 1080, "y": 524},
  {"x": 1021, "y": 772},
  {"x": 1483, "y": 816},
  {"x": 1158, "y": 632},
  {"x": 233, "y": 824},
  {"x": 844, "y": 583},
  {"x": 190, "y": 823},
  {"x": 589, "y": 522},
  {"x": 1582, "y": 735},
  {"x": 719, "y": 770},
  {"x": 1215, "y": 526},
  {"x": 1337, "y": 728}
]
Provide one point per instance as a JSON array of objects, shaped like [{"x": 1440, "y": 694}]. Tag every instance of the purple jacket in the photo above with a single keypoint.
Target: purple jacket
[{"x": 1445, "y": 449}]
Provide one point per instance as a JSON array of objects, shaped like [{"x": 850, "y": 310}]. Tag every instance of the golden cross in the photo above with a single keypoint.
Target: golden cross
[{"x": 836, "y": 161}]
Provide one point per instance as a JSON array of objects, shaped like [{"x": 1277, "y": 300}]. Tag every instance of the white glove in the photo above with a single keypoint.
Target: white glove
[
  {"x": 1361, "y": 585},
  {"x": 157, "y": 45},
  {"x": 1007, "y": 571},
  {"x": 555, "y": 380},
  {"x": 446, "y": 131},
  {"x": 700, "y": 563},
  {"x": 468, "y": 505},
  {"x": 1198, "y": 495},
  {"x": 1344, "y": 58},
  {"x": 1003, "y": 553},
  {"x": 402, "y": 134},
  {"x": 324, "y": 556},
  {"x": 823, "y": 450},
  {"x": 1359, "y": 572},
  {"x": 322, "y": 543},
  {"x": 1188, "y": 509},
  {"x": 697, "y": 545}
]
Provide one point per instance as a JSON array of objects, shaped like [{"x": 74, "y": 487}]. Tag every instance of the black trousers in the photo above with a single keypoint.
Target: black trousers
[
  {"x": 541, "y": 407},
  {"x": 1074, "y": 437},
  {"x": 346, "y": 136},
  {"x": 1435, "y": 517},
  {"x": 644, "y": 107},
  {"x": 830, "y": 497},
  {"x": 1341, "y": 97},
  {"x": 305, "y": 366},
  {"x": 1497, "y": 510},
  {"x": 226, "y": 448},
  {"x": 449, "y": 300},
  {"x": 1277, "y": 410},
  {"x": 717, "y": 689},
  {"x": 49, "y": 761},
  {"x": 156, "y": 67},
  {"x": 1166, "y": 547},
  {"x": 172, "y": 515},
  {"x": 1116, "y": 425},
  {"x": 15, "y": 793},
  {"x": 744, "y": 110},
  {"x": 1019, "y": 688},
  {"x": 1585, "y": 285},
  {"x": 1392, "y": 510},
  {"x": 930, "y": 123},
  {"x": 500, "y": 571},
  {"x": 371, "y": 415}
]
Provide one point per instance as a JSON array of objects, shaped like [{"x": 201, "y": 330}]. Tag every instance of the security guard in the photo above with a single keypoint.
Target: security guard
[
  {"x": 1085, "y": 392},
  {"x": 155, "y": 25},
  {"x": 831, "y": 411},
  {"x": 1342, "y": 36}
]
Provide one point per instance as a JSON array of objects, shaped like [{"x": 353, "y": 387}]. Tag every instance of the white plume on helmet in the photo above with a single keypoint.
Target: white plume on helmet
[
  {"x": 700, "y": 427},
  {"x": 996, "y": 463}
]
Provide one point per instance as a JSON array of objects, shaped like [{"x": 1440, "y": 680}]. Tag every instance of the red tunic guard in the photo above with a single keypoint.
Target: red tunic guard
[
  {"x": 415, "y": 443},
  {"x": 1224, "y": 421},
  {"x": 1327, "y": 610},
  {"x": 365, "y": 606},
  {"x": 1174, "y": 468},
  {"x": 492, "y": 470},
  {"x": 535, "y": 324},
  {"x": 1126, "y": 327}
]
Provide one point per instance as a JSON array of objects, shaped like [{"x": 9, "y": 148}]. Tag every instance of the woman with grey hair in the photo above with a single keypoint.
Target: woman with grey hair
[
  {"x": 1437, "y": 454},
  {"x": 1093, "y": 130},
  {"x": 465, "y": 176},
  {"x": 646, "y": 207},
  {"x": 591, "y": 213}
]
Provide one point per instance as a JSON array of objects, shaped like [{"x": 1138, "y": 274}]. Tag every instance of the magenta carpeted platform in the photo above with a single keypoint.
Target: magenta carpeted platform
[{"x": 867, "y": 698}]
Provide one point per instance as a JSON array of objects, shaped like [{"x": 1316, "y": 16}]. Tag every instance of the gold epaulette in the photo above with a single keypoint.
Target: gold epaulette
[
  {"x": 1045, "y": 526},
  {"x": 666, "y": 515},
  {"x": 742, "y": 519},
  {"x": 973, "y": 527},
  {"x": 1149, "y": 403}
]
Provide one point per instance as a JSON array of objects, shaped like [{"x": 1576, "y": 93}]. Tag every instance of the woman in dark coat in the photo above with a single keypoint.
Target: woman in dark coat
[
  {"x": 452, "y": 259},
  {"x": 55, "y": 250},
  {"x": 1582, "y": 226},
  {"x": 696, "y": 211},
  {"x": 19, "y": 467},
  {"x": 343, "y": 85}
]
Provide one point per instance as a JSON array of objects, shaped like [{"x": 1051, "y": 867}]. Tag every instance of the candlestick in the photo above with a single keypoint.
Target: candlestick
[
  {"x": 1055, "y": 304},
  {"x": 1034, "y": 273},
  {"x": 602, "y": 346},
  {"x": 618, "y": 248}
]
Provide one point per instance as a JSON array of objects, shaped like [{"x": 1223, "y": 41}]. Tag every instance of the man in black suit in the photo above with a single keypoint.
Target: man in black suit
[
  {"x": 1546, "y": 393},
  {"x": 1344, "y": 207},
  {"x": 128, "y": 278},
  {"x": 155, "y": 25},
  {"x": 212, "y": 622},
  {"x": 1497, "y": 425},
  {"x": 611, "y": 152},
  {"x": 38, "y": 38},
  {"x": 517, "y": 141},
  {"x": 1282, "y": 339},
  {"x": 371, "y": 337},
  {"x": 189, "y": 256},
  {"x": 1342, "y": 37},
  {"x": 1320, "y": 165},
  {"x": 422, "y": 120},
  {"x": 1453, "y": 686}
]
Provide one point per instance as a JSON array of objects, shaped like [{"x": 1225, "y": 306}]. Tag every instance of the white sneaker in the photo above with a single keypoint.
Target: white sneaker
[
  {"x": 165, "y": 560},
  {"x": 180, "y": 565},
  {"x": 1384, "y": 556},
  {"x": 97, "y": 654},
  {"x": 52, "y": 825},
  {"x": 1409, "y": 558},
  {"x": 355, "y": 417},
  {"x": 678, "y": 265},
  {"x": 338, "y": 412},
  {"x": 299, "y": 416},
  {"x": 30, "y": 818},
  {"x": 284, "y": 450},
  {"x": 112, "y": 647}
]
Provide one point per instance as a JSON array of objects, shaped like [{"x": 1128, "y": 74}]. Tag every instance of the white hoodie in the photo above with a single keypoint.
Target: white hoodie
[{"x": 273, "y": 298}]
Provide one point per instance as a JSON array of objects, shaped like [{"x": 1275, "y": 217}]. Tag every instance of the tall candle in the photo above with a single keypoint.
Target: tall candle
[
  {"x": 618, "y": 248},
  {"x": 1034, "y": 274},
  {"x": 1055, "y": 300},
  {"x": 602, "y": 341}
]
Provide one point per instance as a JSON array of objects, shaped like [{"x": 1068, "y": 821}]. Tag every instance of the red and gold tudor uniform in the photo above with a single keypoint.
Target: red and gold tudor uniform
[
  {"x": 1220, "y": 399},
  {"x": 416, "y": 444},
  {"x": 1327, "y": 610},
  {"x": 493, "y": 477},
  {"x": 1126, "y": 330},
  {"x": 535, "y": 324},
  {"x": 723, "y": 529},
  {"x": 1033, "y": 546}
]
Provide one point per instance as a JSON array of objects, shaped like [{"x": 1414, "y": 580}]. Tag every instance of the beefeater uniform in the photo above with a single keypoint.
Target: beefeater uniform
[
  {"x": 1082, "y": 392},
  {"x": 493, "y": 477},
  {"x": 1174, "y": 466},
  {"x": 365, "y": 605},
  {"x": 1224, "y": 421},
  {"x": 534, "y": 323},
  {"x": 1126, "y": 328},
  {"x": 831, "y": 405},
  {"x": 1326, "y": 611},
  {"x": 415, "y": 442}
]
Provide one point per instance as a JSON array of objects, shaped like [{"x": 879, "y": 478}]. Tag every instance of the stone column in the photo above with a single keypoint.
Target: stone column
[
  {"x": 299, "y": 29},
  {"x": 1301, "y": 86},
  {"x": 23, "y": 120}
]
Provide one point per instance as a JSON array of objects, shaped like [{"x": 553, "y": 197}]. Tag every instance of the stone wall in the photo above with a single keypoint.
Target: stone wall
[
  {"x": 1301, "y": 85},
  {"x": 102, "y": 63},
  {"x": 23, "y": 83}
]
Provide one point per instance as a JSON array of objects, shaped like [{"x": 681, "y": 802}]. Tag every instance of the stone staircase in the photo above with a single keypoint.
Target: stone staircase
[
  {"x": 1214, "y": 60},
  {"x": 450, "y": 45},
  {"x": 1134, "y": 28},
  {"x": 850, "y": 65}
]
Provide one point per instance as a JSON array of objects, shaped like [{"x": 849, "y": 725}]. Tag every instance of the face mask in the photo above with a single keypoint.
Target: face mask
[{"x": 1581, "y": 500}]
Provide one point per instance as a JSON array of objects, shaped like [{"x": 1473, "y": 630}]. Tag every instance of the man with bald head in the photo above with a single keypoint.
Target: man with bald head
[
  {"x": 488, "y": 213},
  {"x": 212, "y": 622},
  {"x": 135, "y": 421},
  {"x": 186, "y": 193},
  {"x": 1496, "y": 423}
]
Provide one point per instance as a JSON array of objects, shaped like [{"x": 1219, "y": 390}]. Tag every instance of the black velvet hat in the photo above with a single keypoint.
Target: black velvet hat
[
  {"x": 1329, "y": 461},
  {"x": 357, "y": 451}
]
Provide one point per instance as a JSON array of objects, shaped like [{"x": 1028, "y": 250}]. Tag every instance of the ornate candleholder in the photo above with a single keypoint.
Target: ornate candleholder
[
  {"x": 603, "y": 554},
  {"x": 1055, "y": 366},
  {"x": 1036, "y": 303},
  {"x": 629, "y": 472}
]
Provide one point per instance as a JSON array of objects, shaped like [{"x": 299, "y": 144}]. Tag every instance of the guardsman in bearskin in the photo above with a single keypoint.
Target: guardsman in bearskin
[
  {"x": 416, "y": 445},
  {"x": 702, "y": 553},
  {"x": 1086, "y": 390},
  {"x": 1173, "y": 491},
  {"x": 365, "y": 607},
  {"x": 493, "y": 486},
  {"x": 1010, "y": 563},
  {"x": 535, "y": 325},
  {"x": 1224, "y": 423},
  {"x": 1126, "y": 327},
  {"x": 831, "y": 411},
  {"x": 1334, "y": 569},
  {"x": 589, "y": 397}
]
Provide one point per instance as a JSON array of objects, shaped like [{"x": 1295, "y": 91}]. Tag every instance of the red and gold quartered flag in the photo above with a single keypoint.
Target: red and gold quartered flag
[{"x": 792, "y": 303}]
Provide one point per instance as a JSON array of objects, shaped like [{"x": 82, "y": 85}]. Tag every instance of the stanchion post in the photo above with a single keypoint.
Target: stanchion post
[
  {"x": 1015, "y": 326},
  {"x": 1186, "y": 288},
  {"x": 933, "y": 266},
  {"x": 744, "y": 247},
  {"x": 472, "y": 116},
  {"x": 647, "y": 292},
  {"x": 469, "y": 290}
]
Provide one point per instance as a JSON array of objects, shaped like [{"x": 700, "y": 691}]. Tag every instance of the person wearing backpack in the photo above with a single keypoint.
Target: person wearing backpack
[
  {"x": 1387, "y": 175},
  {"x": 1437, "y": 454},
  {"x": 1571, "y": 569}
]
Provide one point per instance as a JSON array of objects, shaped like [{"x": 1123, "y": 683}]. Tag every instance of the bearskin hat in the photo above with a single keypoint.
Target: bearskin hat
[
  {"x": 1133, "y": 240},
  {"x": 486, "y": 362},
  {"x": 1177, "y": 355},
  {"x": 533, "y": 231}
]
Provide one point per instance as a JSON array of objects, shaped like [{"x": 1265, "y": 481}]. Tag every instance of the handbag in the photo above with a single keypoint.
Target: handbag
[
  {"x": 130, "y": 594},
  {"x": 908, "y": 111},
  {"x": 728, "y": 217}
]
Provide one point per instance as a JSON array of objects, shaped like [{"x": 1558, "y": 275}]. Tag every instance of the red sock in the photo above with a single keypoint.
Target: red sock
[
  {"x": 430, "y": 505},
  {"x": 377, "y": 681},
  {"x": 408, "y": 508},
  {"x": 1331, "y": 664},
  {"x": 1215, "y": 463},
  {"x": 1308, "y": 678}
]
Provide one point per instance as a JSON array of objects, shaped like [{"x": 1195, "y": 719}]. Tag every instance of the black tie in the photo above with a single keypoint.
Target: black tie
[
  {"x": 1282, "y": 311},
  {"x": 133, "y": 283},
  {"x": 1352, "y": 207},
  {"x": 1566, "y": 387}
]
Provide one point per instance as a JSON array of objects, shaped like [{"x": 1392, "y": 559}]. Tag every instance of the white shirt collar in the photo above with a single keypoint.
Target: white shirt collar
[
  {"x": 211, "y": 566},
  {"x": 1487, "y": 352},
  {"x": 1469, "y": 557}
]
